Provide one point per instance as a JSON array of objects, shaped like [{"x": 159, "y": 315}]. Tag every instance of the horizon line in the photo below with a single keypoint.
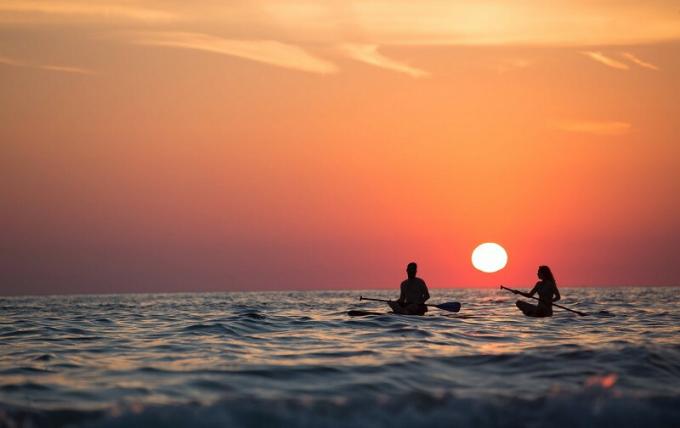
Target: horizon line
[{"x": 471, "y": 287}]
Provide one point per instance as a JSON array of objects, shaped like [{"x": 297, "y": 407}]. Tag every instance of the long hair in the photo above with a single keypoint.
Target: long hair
[{"x": 547, "y": 274}]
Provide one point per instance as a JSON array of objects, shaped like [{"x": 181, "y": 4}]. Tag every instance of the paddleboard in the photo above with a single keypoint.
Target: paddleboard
[
  {"x": 528, "y": 309},
  {"x": 355, "y": 313}
]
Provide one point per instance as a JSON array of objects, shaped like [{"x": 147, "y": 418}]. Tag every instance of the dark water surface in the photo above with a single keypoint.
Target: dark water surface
[{"x": 297, "y": 359}]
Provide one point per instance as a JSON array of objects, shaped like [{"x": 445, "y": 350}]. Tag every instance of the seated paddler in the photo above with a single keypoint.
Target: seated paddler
[{"x": 413, "y": 294}]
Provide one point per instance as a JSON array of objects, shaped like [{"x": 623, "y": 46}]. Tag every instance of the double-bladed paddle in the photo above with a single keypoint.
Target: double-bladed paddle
[
  {"x": 448, "y": 306},
  {"x": 583, "y": 314}
]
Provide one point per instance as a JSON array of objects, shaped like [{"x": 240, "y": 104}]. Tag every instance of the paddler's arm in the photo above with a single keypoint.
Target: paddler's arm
[
  {"x": 557, "y": 295},
  {"x": 426, "y": 293},
  {"x": 402, "y": 294},
  {"x": 531, "y": 293}
]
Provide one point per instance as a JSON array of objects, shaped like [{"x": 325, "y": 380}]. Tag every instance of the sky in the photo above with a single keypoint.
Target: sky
[{"x": 153, "y": 146}]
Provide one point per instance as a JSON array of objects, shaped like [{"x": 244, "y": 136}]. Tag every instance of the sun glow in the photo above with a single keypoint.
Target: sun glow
[{"x": 489, "y": 257}]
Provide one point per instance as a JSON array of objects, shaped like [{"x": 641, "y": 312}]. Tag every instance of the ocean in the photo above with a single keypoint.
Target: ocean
[{"x": 295, "y": 359}]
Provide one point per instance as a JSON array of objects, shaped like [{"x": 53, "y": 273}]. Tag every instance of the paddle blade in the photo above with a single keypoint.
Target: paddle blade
[{"x": 450, "y": 306}]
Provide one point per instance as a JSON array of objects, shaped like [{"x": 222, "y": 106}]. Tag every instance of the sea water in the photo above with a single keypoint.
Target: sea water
[{"x": 296, "y": 359}]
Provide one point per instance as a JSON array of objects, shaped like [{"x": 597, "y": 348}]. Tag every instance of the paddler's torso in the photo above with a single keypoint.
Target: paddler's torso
[
  {"x": 545, "y": 291},
  {"x": 414, "y": 290}
]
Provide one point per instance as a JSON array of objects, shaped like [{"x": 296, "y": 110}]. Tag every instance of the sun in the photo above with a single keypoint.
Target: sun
[{"x": 489, "y": 257}]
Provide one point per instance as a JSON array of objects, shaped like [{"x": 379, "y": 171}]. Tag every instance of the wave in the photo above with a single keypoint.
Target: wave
[
  {"x": 587, "y": 408},
  {"x": 260, "y": 359},
  {"x": 216, "y": 328}
]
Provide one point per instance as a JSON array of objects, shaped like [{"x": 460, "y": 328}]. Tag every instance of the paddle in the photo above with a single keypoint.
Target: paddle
[
  {"x": 583, "y": 314},
  {"x": 448, "y": 306}
]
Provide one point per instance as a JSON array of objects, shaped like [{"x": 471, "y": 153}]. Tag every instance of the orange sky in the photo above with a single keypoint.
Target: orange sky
[{"x": 246, "y": 145}]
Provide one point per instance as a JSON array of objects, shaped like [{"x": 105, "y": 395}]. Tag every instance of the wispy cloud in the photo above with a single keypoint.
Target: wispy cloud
[
  {"x": 66, "y": 69},
  {"x": 11, "y": 61},
  {"x": 264, "y": 51},
  {"x": 490, "y": 22},
  {"x": 369, "y": 54},
  {"x": 85, "y": 9},
  {"x": 593, "y": 127},
  {"x": 635, "y": 60},
  {"x": 509, "y": 64},
  {"x": 603, "y": 59},
  {"x": 381, "y": 22},
  {"x": 49, "y": 67}
]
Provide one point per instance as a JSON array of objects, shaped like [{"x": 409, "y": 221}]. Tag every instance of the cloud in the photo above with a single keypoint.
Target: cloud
[
  {"x": 603, "y": 59},
  {"x": 279, "y": 32},
  {"x": 66, "y": 69},
  {"x": 264, "y": 51},
  {"x": 508, "y": 64},
  {"x": 39, "y": 10},
  {"x": 635, "y": 60},
  {"x": 492, "y": 22},
  {"x": 49, "y": 67},
  {"x": 594, "y": 127},
  {"x": 380, "y": 22},
  {"x": 11, "y": 61},
  {"x": 369, "y": 54}
]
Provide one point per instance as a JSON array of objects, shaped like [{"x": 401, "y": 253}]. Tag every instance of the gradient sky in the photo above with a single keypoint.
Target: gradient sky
[{"x": 248, "y": 145}]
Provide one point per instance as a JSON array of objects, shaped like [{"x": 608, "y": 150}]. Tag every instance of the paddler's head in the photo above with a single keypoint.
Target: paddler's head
[
  {"x": 411, "y": 269},
  {"x": 545, "y": 273}
]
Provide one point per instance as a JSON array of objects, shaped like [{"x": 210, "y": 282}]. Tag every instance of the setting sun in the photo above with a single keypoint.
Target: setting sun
[{"x": 489, "y": 257}]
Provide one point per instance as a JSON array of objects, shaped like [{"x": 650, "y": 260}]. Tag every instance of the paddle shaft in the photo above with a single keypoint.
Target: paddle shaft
[{"x": 536, "y": 298}]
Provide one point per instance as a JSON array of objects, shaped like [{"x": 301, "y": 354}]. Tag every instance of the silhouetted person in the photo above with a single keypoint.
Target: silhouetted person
[
  {"x": 547, "y": 293},
  {"x": 413, "y": 294}
]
